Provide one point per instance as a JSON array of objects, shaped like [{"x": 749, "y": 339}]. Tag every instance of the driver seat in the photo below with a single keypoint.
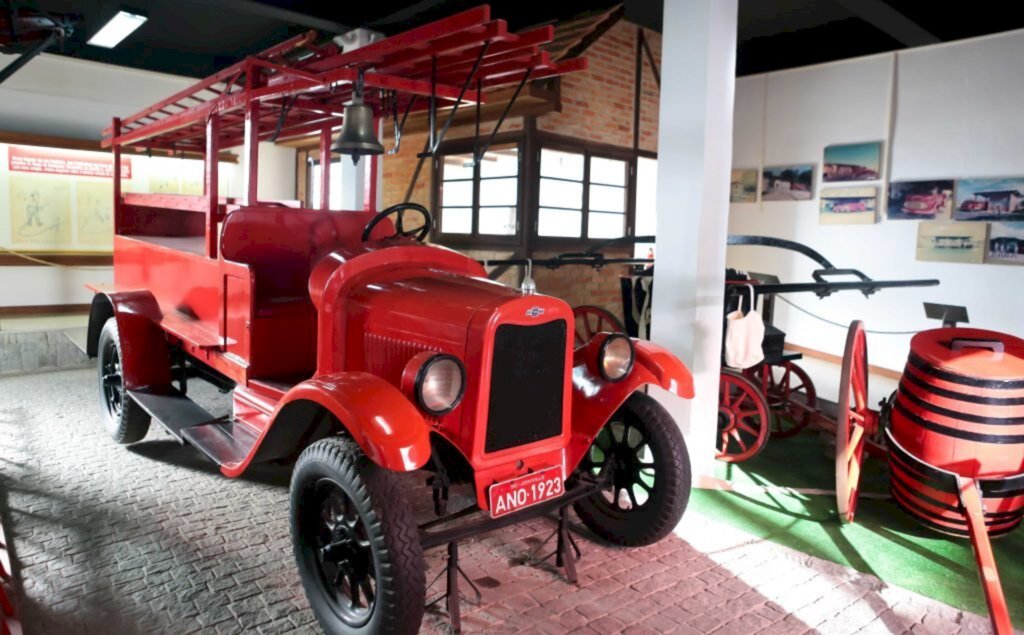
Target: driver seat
[{"x": 281, "y": 246}]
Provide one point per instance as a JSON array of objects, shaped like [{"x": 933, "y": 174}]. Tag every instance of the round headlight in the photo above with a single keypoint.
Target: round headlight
[
  {"x": 440, "y": 383},
  {"x": 615, "y": 359}
]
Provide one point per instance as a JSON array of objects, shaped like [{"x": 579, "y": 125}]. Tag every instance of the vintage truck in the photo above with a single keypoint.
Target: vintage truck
[{"x": 357, "y": 351}]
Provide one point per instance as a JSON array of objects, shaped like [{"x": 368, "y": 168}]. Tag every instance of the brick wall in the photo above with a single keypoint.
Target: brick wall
[{"x": 597, "y": 105}]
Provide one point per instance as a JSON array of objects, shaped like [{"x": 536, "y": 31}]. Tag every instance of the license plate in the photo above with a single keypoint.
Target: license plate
[{"x": 522, "y": 492}]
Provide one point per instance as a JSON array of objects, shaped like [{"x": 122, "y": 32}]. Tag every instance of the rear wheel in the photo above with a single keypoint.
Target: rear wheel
[
  {"x": 124, "y": 419},
  {"x": 643, "y": 455},
  {"x": 356, "y": 542}
]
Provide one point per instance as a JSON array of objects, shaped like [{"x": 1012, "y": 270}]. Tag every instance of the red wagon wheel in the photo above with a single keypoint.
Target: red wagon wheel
[
  {"x": 855, "y": 421},
  {"x": 743, "y": 418},
  {"x": 791, "y": 395},
  {"x": 592, "y": 319}
]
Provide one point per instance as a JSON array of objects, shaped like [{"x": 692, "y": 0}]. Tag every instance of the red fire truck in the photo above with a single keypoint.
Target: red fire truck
[{"x": 355, "y": 349}]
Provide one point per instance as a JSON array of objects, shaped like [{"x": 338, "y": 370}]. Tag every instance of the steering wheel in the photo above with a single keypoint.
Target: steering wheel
[{"x": 418, "y": 233}]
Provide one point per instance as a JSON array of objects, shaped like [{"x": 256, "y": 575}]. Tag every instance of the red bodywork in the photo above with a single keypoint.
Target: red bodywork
[
  {"x": 924, "y": 204},
  {"x": 301, "y": 314},
  {"x": 974, "y": 205}
]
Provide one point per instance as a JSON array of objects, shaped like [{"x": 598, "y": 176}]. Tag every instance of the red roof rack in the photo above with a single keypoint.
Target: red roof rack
[{"x": 299, "y": 87}]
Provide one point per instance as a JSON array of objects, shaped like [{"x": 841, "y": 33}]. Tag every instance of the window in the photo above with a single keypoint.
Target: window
[
  {"x": 313, "y": 193},
  {"x": 482, "y": 199},
  {"x": 582, "y": 195}
]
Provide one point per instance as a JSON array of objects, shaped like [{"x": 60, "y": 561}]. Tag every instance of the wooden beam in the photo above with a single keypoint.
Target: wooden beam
[
  {"x": 44, "y": 309},
  {"x": 837, "y": 360},
  {"x": 65, "y": 143},
  {"x": 65, "y": 260}
]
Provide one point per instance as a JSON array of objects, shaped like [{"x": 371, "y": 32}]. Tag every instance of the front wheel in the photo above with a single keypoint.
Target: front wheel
[
  {"x": 356, "y": 542},
  {"x": 642, "y": 454},
  {"x": 125, "y": 420}
]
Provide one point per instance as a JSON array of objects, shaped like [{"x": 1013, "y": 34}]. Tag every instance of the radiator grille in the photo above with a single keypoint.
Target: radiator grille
[{"x": 527, "y": 379}]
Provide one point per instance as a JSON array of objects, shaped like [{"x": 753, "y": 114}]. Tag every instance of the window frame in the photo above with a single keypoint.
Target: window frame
[
  {"x": 530, "y": 142},
  {"x": 588, "y": 149},
  {"x": 475, "y": 238}
]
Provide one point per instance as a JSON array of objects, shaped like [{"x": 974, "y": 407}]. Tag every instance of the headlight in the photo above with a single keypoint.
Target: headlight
[
  {"x": 440, "y": 383},
  {"x": 615, "y": 357}
]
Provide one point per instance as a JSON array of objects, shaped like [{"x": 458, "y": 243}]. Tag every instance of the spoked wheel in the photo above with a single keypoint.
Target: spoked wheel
[
  {"x": 124, "y": 419},
  {"x": 591, "y": 320},
  {"x": 356, "y": 542},
  {"x": 856, "y": 421},
  {"x": 791, "y": 396},
  {"x": 743, "y": 418},
  {"x": 641, "y": 453}
]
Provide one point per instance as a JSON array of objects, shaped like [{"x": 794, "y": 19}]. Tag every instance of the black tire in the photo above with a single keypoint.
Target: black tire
[
  {"x": 124, "y": 419},
  {"x": 375, "y": 533},
  {"x": 650, "y": 473}
]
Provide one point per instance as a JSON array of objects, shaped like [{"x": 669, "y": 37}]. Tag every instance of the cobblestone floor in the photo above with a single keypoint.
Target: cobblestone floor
[{"x": 151, "y": 539}]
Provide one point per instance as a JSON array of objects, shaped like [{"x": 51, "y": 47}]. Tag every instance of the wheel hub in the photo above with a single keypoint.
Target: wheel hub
[
  {"x": 343, "y": 553},
  {"x": 622, "y": 454}
]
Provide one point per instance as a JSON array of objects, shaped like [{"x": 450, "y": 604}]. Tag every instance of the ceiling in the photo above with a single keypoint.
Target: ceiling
[{"x": 198, "y": 37}]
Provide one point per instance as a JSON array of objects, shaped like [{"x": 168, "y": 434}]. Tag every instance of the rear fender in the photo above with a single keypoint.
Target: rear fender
[
  {"x": 145, "y": 361},
  {"x": 382, "y": 420},
  {"x": 595, "y": 400}
]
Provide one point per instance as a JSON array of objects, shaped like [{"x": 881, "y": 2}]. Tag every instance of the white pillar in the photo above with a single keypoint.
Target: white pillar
[
  {"x": 698, "y": 71},
  {"x": 353, "y": 183}
]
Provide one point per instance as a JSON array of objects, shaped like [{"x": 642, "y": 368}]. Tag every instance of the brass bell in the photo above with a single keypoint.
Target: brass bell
[{"x": 358, "y": 135}]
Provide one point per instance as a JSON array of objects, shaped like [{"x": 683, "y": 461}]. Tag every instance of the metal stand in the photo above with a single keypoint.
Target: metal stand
[
  {"x": 452, "y": 594},
  {"x": 564, "y": 558},
  {"x": 566, "y": 553}
]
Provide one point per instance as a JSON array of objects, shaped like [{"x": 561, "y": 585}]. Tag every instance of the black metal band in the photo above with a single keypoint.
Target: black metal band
[
  {"x": 1003, "y": 487},
  {"x": 964, "y": 380},
  {"x": 946, "y": 481},
  {"x": 1001, "y": 439},
  {"x": 960, "y": 416},
  {"x": 931, "y": 476},
  {"x": 922, "y": 516},
  {"x": 906, "y": 478},
  {"x": 960, "y": 396}
]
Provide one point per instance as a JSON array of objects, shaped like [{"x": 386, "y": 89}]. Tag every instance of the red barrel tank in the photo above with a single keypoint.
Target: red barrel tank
[{"x": 960, "y": 409}]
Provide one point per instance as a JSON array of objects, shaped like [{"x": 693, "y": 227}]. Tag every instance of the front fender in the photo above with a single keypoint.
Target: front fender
[
  {"x": 388, "y": 428},
  {"x": 594, "y": 400},
  {"x": 145, "y": 362}
]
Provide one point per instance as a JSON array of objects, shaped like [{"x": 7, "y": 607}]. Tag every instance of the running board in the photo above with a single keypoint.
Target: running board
[
  {"x": 226, "y": 443},
  {"x": 173, "y": 410}
]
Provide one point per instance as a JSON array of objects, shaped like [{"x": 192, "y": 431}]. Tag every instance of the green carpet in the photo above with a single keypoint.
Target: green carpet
[{"x": 883, "y": 541}]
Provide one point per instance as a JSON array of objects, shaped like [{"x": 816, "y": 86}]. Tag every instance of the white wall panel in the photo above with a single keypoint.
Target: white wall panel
[{"x": 956, "y": 115}]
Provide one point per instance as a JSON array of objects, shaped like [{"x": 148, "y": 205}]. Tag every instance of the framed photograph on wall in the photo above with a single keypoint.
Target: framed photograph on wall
[
  {"x": 920, "y": 200},
  {"x": 788, "y": 183},
  {"x": 1005, "y": 244},
  {"x": 951, "y": 242},
  {"x": 990, "y": 199},
  {"x": 743, "y": 187},
  {"x": 853, "y": 162},
  {"x": 849, "y": 206}
]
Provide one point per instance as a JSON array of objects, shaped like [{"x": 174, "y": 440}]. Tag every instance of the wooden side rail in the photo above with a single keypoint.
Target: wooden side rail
[{"x": 183, "y": 202}]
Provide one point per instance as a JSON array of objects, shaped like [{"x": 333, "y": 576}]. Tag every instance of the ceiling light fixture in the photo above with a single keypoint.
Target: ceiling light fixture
[{"x": 120, "y": 26}]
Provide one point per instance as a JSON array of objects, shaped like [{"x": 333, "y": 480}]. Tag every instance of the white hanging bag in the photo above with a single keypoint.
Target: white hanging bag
[{"x": 744, "y": 335}]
